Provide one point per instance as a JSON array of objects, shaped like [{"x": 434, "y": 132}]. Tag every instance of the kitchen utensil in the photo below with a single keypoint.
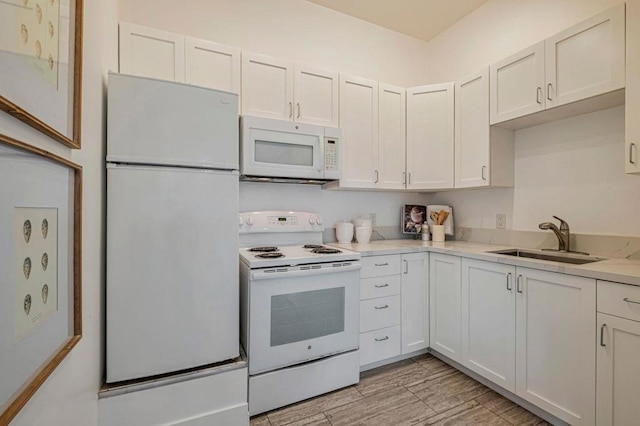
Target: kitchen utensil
[{"x": 448, "y": 223}]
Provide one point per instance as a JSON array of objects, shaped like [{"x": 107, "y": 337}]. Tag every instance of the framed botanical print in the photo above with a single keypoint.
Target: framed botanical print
[
  {"x": 40, "y": 260},
  {"x": 41, "y": 65}
]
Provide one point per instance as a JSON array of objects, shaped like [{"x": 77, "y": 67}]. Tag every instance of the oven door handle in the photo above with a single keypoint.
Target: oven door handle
[{"x": 263, "y": 275}]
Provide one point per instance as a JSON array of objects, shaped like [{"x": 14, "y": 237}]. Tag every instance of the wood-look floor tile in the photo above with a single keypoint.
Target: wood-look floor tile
[
  {"x": 262, "y": 420},
  {"x": 431, "y": 363},
  {"x": 470, "y": 413},
  {"x": 518, "y": 416},
  {"x": 496, "y": 402},
  {"x": 407, "y": 375},
  {"x": 360, "y": 412},
  {"x": 408, "y": 415},
  {"x": 316, "y": 420},
  {"x": 430, "y": 375},
  {"x": 449, "y": 391},
  {"x": 313, "y": 406}
]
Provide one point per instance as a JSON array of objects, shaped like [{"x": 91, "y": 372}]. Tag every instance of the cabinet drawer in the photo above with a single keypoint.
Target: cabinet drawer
[
  {"x": 611, "y": 300},
  {"x": 379, "y": 313},
  {"x": 379, "y": 344},
  {"x": 379, "y": 266},
  {"x": 379, "y": 287}
]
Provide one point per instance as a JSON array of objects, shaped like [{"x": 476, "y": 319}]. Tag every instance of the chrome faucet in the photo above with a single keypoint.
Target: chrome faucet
[{"x": 564, "y": 237}]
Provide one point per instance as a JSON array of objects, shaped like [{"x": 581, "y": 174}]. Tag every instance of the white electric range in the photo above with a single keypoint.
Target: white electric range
[{"x": 300, "y": 304}]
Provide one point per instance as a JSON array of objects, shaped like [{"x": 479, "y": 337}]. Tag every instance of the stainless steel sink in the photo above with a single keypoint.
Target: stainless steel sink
[{"x": 575, "y": 259}]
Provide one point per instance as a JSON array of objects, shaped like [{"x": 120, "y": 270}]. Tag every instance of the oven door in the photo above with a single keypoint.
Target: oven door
[
  {"x": 302, "y": 314},
  {"x": 276, "y": 148}
]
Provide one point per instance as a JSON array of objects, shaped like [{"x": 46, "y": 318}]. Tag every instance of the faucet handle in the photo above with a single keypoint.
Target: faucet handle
[{"x": 563, "y": 223}]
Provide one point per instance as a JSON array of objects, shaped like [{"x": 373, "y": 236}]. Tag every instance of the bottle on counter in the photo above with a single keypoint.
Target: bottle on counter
[{"x": 426, "y": 236}]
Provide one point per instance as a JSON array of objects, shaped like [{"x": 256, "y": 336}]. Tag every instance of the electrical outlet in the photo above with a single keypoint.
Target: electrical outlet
[
  {"x": 501, "y": 221},
  {"x": 372, "y": 216}
]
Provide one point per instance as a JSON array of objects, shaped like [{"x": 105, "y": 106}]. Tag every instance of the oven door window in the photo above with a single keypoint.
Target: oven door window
[{"x": 307, "y": 315}]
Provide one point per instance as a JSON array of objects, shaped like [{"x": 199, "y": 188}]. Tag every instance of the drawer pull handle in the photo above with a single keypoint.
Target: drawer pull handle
[
  {"x": 626, "y": 299},
  {"x": 382, "y": 264},
  {"x": 602, "y": 335},
  {"x": 382, "y": 339},
  {"x": 381, "y": 307},
  {"x": 382, "y": 285}
]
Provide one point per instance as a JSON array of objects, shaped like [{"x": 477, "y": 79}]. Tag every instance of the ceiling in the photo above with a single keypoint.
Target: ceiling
[{"x": 422, "y": 19}]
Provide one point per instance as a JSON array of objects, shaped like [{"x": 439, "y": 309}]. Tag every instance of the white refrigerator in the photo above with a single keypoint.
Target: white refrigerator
[{"x": 172, "y": 233}]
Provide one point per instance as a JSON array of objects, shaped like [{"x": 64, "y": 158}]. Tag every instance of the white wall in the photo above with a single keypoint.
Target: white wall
[
  {"x": 572, "y": 168},
  {"x": 292, "y": 29},
  {"x": 69, "y": 396}
]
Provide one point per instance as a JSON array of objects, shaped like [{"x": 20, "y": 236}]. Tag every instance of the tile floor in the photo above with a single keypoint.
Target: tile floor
[{"x": 418, "y": 391}]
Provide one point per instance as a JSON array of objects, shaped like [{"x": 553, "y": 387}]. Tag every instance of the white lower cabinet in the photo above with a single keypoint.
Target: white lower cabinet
[
  {"x": 394, "y": 306},
  {"x": 444, "y": 304},
  {"x": 529, "y": 331},
  {"x": 415, "y": 302},
  {"x": 555, "y": 354},
  {"x": 489, "y": 321},
  {"x": 618, "y": 346}
]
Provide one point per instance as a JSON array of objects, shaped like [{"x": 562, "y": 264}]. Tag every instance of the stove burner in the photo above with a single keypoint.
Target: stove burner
[
  {"x": 271, "y": 255},
  {"x": 325, "y": 250},
  {"x": 264, "y": 249},
  {"x": 313, "y": 246}
]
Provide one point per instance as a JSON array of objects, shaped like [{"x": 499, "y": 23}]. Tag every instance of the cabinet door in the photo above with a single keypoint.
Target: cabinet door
[
  {"x": 430, "y": 136},
  {"x": 516, "y": 84},
  {"x": 445, "y": 304},
  {"x": 632, "y": 89},
  {"x": 267, "y": 87},
  {"x": 359, "y": 124},
  {"x": 316, "y": 96},
  {"x": 587, "y": 59},
  {"x": 555, "y": 351},
  {"x": 151, "y": 53},
  {"x": 488, "y": 321},
  {"x": 392, "y": 119},
  {"x": 212, "y": 65},
  {"x": 415, "y": 302},
  {"x": 472, "y": 131},
  {"x": 618, "y": 373}
]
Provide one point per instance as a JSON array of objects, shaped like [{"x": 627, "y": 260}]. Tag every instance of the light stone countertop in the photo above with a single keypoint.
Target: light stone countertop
[{"x": 625, "y": 271}]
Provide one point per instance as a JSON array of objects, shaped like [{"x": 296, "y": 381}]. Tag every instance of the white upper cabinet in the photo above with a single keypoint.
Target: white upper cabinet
[
  {"x": 151, "y": 53},
  {"x": 430, "y": 137},
  {"x": 392, "y": 117},
  {"x": 584, "y": 63},
  {"x": 517, "y": 84},
  {"x": 316, "y": 96},
  {"x": 267, "y": 86},
  {"x": 632, "y": 95},
  {"x": 274, "y": 88},
  {"x": 359, "y": 124},
  {"x": 212, "y": 65},
  {"x": 555, "y": 343},
  {"x": 483, "y": 154},
  {"x": 586, "y": 59}
]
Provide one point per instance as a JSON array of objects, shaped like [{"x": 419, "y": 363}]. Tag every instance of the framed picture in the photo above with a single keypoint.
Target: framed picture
[
  {"x": 41, "y": 65},
  {"x": 40, "y": 260},
  {"x": 413, "y": 216}
]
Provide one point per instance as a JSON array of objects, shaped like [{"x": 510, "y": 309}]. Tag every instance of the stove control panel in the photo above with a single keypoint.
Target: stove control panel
[{"x": 279, "y": 221}]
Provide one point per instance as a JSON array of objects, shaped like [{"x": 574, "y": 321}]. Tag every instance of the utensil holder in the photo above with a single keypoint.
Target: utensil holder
[{"x": 437, "y": 233}]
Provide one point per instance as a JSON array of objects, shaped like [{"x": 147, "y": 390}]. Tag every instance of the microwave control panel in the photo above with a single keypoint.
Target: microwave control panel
[{"x": 331, "y": 154}]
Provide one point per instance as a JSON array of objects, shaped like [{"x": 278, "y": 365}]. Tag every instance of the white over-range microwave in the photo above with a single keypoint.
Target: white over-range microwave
[{"x": 284, "y": 151}]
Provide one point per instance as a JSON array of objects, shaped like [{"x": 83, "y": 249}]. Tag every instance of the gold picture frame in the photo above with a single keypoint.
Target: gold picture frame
[
  {"x": 24, "y": 371},
  {"x": 54, "y": 109}
]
